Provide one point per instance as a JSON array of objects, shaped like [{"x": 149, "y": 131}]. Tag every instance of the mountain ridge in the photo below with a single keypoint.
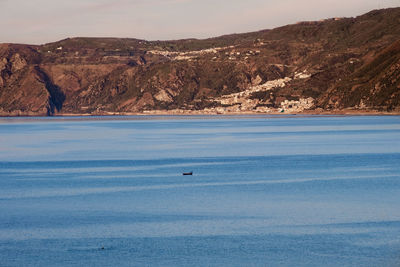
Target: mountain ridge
[{"x": 332, "y": 65}]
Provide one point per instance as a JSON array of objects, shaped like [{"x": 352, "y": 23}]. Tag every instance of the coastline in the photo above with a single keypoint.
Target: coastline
[{"x": 342, "y": 112}]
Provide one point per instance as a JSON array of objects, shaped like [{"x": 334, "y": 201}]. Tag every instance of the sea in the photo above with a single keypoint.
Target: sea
[{"x": 278, "y": 190}]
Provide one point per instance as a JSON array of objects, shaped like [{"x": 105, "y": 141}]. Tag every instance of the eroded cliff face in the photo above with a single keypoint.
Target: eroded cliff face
[
  {"x": 375, "y": 85},
  {"x": 22, "y": 91},
  {"x": 335, "y": 64}
]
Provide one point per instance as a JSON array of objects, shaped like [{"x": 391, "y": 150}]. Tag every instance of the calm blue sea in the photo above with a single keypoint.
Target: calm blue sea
[{"x": 265, "y": 191}]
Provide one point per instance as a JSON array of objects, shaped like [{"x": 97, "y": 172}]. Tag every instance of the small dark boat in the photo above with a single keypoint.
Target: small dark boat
[{"x": 187, "y": 173}]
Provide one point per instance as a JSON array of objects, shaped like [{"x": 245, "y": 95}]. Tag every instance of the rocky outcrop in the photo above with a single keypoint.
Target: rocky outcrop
[{"x": 22, "y": 92}]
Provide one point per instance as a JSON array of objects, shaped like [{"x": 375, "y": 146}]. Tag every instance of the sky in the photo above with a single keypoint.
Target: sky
[{"x": 43, "y": 21}]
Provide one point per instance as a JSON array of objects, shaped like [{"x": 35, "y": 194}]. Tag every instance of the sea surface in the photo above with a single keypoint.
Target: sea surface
[{"x": 265, "y": 191}]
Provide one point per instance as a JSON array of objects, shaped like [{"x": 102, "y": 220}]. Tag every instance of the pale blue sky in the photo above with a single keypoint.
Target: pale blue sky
[{"x": 42, "y": 21}]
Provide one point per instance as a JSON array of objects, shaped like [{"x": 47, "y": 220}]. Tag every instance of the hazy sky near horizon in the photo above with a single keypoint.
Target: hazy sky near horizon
[{"x": 42, "y": 21}]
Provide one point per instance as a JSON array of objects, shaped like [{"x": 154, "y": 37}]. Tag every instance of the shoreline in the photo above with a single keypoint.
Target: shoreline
[{"x": 344, "y": 112}]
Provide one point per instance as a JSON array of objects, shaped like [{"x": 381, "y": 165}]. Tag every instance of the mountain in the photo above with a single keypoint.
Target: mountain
[{"x": 333, "y": 65}]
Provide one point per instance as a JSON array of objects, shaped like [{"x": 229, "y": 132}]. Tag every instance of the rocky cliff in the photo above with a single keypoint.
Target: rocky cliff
[{"x": 331, "y": 65}]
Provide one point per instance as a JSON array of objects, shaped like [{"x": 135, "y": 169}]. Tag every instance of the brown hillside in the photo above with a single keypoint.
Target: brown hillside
[{"x": 334, "y": 64}]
